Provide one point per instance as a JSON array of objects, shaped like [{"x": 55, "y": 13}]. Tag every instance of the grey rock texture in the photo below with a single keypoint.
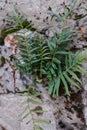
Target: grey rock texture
[
  {"x": 40, "y": 15},
  {"x": 66, "y": 114},
  {"x": 84, "y": 95},
  {"x": 37, "y": 11},
  {"x": 11, "y": 113}
]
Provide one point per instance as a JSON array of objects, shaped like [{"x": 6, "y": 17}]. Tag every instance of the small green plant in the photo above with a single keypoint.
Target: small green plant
[
  {"x": 66, "y": 14},
  {"x": 49, "y": 58},
  {"x": 17, "y": 22},
  {"x": 69, "y": 13},
  {"x": 32, "y": 98}
]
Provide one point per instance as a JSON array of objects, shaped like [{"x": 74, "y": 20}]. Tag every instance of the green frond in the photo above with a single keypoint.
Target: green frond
[
  {"x": 65, "y": 84},
  {"x": 56, "y": 87},
  {"x": 48, "y": 56},
  {"x": 50, "y": 87},
  {"x": 42, "y": 121},
  {"x": 68, "y": 74},
  {"x": 26, "y": 115},
  {"x": 74, "y": 76},
  {"x": 58, "y": 16},
  {"x": 37, "y": 127},
  {"x": 70, "y": 80}
]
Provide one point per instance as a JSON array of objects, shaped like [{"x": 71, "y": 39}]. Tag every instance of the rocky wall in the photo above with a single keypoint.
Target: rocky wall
[{"x": 66, "y": 111}]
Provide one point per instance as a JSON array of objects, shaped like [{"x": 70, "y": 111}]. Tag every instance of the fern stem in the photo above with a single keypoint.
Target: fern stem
[
  {"x": 40, "y": 69},
  {"x": 28, "y": 50},
  {"x": 73, "y": 65},
  {"x": 31, "y": 114},
  {"x": 53, "y": 55}
]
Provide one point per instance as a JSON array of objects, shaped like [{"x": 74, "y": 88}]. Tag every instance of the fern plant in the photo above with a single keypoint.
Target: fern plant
[
  {"x": 48, "y": 58},
  {"x": 32, "y": 98},
  {"x": 17, "y": 21},
  {"x": 25, "y": 62},
  {"x": 67, "y": 13},
  {"x": 67, "y": 74}
]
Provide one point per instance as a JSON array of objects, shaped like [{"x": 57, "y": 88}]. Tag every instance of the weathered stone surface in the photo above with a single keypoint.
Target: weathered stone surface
[
  {"x": 84, "y": 95},
  {"x": 37, "y": 11},
  {"x": 66, "y": 112},
  {"x": 7, "y": 79},
  {"x": 11, "y": 113}
]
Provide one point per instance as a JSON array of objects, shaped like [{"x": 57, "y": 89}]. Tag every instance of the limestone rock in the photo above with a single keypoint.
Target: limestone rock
[{"x": 11, "y": 113}]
